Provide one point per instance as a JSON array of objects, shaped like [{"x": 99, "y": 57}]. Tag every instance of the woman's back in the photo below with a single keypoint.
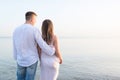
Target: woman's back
[
  {"x": 47, "y": 59},
  {"x": 49, "y": 66}
]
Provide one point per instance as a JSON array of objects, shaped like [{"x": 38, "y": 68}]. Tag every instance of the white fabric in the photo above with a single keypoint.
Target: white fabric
[
  {"x": 25, "y": 39},
  {"x": 49, "y": 67}
]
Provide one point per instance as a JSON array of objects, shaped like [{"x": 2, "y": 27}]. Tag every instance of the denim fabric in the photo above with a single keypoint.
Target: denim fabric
[{"x": 26, "y": 73}]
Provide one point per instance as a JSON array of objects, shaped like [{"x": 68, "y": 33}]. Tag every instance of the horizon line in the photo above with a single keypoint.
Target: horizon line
[{"x": 75, "y": 36}]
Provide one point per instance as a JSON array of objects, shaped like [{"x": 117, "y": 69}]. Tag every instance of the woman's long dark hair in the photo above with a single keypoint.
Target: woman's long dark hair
[{"x": 47, "y": 31}]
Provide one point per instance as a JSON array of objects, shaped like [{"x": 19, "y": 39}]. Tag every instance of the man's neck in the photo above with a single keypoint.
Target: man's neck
[{"x": 28, "y": 22}]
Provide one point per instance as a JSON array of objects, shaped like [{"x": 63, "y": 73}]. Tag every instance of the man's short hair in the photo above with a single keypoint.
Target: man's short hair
[{"x": 29, "y": 15}]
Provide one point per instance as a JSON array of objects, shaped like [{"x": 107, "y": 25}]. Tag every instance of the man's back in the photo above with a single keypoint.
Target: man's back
[{"x": 25, "y": 45}]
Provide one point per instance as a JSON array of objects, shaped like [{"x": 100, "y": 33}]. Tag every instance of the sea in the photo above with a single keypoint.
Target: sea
[{"x": 84, "y": 58}]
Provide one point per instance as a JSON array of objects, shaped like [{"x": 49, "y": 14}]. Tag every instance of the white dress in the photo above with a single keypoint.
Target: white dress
[{"x": 49, "y": 66}]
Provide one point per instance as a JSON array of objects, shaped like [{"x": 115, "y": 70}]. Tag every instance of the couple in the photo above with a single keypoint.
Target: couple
[{"x": 30, "y": 46}]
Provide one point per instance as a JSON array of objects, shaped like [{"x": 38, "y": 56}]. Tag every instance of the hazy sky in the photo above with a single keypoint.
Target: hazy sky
[{"x": 70, "y": 17}]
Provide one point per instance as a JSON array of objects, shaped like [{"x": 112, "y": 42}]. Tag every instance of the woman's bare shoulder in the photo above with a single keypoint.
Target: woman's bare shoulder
[{"x": 55, "y": 38}]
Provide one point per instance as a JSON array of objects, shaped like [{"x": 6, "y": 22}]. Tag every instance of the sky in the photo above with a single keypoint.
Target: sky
[{"x": 71, "y": 18}]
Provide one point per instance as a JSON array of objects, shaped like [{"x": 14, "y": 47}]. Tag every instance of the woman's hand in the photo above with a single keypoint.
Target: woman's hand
[{"x": 61, "y": 60}]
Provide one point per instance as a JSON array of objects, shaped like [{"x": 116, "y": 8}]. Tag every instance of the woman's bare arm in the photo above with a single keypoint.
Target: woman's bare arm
[{"x": 57, "y": 53}]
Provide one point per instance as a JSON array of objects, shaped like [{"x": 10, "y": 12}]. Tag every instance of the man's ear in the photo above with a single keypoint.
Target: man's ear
[{"x": 31, "y": 21}]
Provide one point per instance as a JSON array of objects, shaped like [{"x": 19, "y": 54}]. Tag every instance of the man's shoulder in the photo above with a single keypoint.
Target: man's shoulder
[
  {"x": 23, "y": 26},
  {"x": 18, "y": 27},
  {"x": 35, "y": 29}
]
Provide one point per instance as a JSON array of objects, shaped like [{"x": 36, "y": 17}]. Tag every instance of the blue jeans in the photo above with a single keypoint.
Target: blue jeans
[{"x": 26, "y": 73}]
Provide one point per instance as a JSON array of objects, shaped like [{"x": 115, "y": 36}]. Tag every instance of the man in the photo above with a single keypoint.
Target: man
[{"x": 25, "y": 40}]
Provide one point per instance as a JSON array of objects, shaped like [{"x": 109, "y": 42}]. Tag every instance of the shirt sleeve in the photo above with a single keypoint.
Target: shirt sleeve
[
  {"x": 42, "y": 44},
  {"x": 14, "y": 50}
]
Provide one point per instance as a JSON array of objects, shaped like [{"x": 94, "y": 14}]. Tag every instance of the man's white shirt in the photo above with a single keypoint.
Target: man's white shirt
[{"x": 25, "y": 40}]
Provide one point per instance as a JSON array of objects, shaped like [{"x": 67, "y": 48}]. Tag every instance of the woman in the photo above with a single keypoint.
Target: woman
[{"x": 49, "y": 64}]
